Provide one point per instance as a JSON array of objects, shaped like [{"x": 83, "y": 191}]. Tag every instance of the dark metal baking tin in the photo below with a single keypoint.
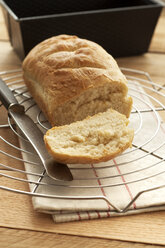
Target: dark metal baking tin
[{"x": 122, "y": 27}]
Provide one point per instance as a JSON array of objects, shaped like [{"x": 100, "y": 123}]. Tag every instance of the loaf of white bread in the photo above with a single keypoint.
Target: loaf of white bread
[
  {"x": 70, "y": 79},
  {"x": 95, "y": 139}
]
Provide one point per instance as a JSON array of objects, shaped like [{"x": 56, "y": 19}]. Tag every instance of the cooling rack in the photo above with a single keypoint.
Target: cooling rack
[{"x": 143, "y": 163}]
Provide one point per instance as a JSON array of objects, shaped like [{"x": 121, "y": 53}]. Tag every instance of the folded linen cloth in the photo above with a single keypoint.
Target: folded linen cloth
[{"x": 102, "y": 190}]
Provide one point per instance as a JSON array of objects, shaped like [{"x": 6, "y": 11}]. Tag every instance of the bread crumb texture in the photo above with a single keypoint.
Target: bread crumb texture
[{"x": 95, "y": 139}]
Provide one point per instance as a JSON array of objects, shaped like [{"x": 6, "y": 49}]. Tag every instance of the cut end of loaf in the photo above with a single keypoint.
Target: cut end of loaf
[{"x": 95, "y": 139}]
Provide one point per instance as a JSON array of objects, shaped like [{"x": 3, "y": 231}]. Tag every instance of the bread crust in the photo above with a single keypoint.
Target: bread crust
[
  {"x": 77, "y": 159},
  {"x": 61, "y": 68}
]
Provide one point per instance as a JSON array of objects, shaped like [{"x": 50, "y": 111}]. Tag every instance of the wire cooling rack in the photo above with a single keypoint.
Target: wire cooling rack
[{"x": 148, "y": 98}]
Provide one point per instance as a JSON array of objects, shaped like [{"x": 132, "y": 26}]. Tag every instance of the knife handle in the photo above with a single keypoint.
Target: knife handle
[{"x": 6, "y": 95}]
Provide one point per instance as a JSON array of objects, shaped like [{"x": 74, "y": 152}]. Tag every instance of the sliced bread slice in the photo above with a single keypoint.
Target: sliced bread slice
[{"x": 95, "y": 139}]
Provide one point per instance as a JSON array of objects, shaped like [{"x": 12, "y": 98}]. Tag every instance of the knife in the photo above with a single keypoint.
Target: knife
[{"x": 55, "y": 170}]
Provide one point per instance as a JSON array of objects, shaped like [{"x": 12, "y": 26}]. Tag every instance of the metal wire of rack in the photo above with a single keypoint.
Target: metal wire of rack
[{"x": 148, "y": 97}]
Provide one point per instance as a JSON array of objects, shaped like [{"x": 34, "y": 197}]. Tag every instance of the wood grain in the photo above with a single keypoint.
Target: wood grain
[
  {"x": 158, "y": 40},
  {"x": 152, "y": 63},
  {"x": 3, "y": 31},
  {"x": 23, "y": 238},
  {"x": 9, "y": 60}
]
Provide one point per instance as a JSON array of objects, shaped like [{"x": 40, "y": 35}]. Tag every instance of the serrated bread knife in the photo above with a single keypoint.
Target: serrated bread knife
[{"x": 54, "y": 169}]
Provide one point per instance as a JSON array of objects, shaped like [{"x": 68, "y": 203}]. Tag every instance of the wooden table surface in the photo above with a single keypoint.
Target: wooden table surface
[{"x": 21, "y": 226}]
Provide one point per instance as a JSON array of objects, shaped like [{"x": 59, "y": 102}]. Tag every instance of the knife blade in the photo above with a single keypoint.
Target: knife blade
[{"x": 54, "y": 169}]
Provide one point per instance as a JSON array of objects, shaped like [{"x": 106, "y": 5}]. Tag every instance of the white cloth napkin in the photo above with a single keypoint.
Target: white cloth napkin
[{"x": 130, "y": 173}]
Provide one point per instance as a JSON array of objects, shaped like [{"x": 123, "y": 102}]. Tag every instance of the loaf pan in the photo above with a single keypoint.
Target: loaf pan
[{"x": 123, "y": 28}]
